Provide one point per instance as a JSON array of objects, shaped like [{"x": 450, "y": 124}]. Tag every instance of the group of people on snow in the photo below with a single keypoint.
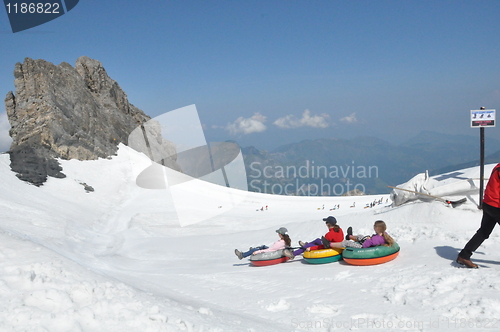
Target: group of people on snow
[{"x": 334, "y": 238}]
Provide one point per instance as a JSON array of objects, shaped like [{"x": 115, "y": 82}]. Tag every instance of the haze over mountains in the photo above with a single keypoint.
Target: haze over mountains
[
  {"x": 334, "y": 166},
  {"x": 60, "y": 111}
]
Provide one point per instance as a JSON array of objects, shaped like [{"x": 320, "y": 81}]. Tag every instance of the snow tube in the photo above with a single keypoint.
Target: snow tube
[
  {"x": 323, "y": 256},
  {"x": 371, "y": 255},
  {"x": 268, "y": 258}
]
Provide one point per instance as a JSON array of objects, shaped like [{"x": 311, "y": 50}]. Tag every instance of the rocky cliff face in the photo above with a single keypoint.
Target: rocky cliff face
[{"x": 65, "y": 112}]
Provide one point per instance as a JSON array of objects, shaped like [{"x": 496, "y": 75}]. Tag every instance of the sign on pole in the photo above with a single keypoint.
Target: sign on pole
[{"x": 482, "y": 118}]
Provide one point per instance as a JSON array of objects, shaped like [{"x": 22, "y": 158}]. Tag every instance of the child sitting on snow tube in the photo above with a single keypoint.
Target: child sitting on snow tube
[
  {"x": 380, "y": 238},
  {"x": 282, "y": 243},
  {"x": 335, "y": 234}
]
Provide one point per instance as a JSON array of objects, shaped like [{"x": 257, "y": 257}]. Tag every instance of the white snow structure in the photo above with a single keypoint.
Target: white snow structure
[{"x": 453, "y": 184}]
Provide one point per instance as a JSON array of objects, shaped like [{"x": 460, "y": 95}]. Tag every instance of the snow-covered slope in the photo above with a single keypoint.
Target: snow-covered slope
[{"x": 116, "y": 259}]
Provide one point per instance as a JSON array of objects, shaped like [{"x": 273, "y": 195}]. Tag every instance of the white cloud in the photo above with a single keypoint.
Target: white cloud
[
  {"x": 291, "y": 121},
  {"x": 350, "y": 119},
  {"x": 255, "y": 124},
  {"x": 5, "y": 139}
]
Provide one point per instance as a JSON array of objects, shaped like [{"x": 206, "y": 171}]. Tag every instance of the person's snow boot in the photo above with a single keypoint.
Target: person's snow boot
[
  {"x": 238, "y": 253},
  {"x": 325, "y": 242},
  {"x": 467, "y": 262},
  {"x": 349, "y": 233},
  {"x": 288, "y": 254},
  {"x": 302, "y": 244}
]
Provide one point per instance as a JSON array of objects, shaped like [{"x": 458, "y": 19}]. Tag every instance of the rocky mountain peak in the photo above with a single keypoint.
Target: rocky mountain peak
[{"x": 60, "y": 111}]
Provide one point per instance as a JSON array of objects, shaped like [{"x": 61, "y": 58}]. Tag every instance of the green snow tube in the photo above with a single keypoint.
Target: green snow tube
[{"x": 371, "y": 255}]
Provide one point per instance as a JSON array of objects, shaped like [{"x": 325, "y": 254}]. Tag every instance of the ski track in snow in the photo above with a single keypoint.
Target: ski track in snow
[{"x": 117, "y": 258}]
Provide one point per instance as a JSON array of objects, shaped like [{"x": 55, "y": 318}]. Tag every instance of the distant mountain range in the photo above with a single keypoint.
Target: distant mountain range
[
  {"x": 493, "y": 158},
  {"x": 333, "y": 166}
]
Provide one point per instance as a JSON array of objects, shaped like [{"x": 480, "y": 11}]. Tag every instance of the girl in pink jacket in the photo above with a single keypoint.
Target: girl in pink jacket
[{"x": 282, "y": 243}]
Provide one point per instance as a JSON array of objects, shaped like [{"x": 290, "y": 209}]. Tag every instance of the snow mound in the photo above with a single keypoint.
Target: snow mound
[{"x": 452, "y": 184}]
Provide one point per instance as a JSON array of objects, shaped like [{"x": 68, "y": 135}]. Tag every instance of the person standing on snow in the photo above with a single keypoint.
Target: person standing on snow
[{"x": 491, "y": 216}]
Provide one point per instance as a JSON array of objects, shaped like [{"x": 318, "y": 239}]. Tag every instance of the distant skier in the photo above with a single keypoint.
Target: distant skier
[{"x": 491, "y": 216}]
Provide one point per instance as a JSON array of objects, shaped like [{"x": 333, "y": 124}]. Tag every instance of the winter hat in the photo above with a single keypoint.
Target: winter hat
[
  {"x": 282, "y": 231},
  {"x": 330, "y": 220}
]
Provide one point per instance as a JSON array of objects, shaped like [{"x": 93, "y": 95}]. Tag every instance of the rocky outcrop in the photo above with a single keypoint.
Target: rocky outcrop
[
  {"x": 63, "y": 112},
  {"x": 355, "y": 192}
]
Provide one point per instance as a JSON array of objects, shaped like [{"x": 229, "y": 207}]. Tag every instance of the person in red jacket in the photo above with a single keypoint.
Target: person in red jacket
[
  {"x": 491, "y": 216},
  {"x": 335, "y": 234}
]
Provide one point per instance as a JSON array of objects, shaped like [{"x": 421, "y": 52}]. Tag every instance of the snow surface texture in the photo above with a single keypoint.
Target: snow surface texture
[{"x": 116, "y": 259}]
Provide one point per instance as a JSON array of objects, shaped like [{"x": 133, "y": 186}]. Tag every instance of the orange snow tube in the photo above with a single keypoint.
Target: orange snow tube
[{"x": 370, "y": 256}]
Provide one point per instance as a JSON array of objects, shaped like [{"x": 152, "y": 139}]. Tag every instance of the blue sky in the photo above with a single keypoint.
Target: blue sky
[{"x": 268, "y": 73}]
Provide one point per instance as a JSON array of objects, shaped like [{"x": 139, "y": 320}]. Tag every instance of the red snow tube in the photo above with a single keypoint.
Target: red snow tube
[{"x": 268, "y": 258}]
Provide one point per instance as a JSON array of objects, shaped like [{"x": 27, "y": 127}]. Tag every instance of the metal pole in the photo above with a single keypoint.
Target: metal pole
[{"x": 481, "y": 167}]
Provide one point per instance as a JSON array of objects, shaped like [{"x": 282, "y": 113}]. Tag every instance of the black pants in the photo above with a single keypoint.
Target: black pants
[{"x": 491, "y": 216}]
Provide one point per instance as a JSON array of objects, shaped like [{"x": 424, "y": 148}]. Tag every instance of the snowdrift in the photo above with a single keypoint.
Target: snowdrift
[
  {"x": 454, "y": 184},
  {"x": 117, "y": 259}
]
